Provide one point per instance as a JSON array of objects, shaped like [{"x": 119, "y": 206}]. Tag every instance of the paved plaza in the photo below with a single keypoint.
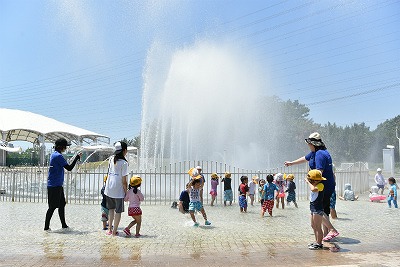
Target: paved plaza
[{"x": 369, "y": 236}]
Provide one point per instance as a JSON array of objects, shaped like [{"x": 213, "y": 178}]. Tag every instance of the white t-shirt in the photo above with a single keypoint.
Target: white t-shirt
[
  {"x": 252, "y": 188},
  {"x": 114, "y": 187},
  {"x": 194, "y": 195}
]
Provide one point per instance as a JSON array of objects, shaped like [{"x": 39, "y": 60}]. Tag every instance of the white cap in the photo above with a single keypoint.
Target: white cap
[
  {"x": 379, "y": 170},
  {"x": 198, "y": 167},
  {"x": 118, "y": 147}
]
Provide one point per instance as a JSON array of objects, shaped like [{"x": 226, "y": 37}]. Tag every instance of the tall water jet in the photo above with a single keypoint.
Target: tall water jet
[{"x": 205, "y": 102}]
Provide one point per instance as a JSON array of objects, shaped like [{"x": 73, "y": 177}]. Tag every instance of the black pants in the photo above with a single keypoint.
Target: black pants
[{"x": 56, "y": 199}]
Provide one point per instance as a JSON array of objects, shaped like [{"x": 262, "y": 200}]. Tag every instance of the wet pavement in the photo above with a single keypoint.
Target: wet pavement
[{"x": 368, "y": 237}]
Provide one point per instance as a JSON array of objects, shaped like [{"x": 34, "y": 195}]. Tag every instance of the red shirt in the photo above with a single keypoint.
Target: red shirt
[{"x": 243, "y": 188}]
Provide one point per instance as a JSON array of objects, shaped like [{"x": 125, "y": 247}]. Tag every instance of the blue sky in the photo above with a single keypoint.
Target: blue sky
[{"x": 82, "y": 62}]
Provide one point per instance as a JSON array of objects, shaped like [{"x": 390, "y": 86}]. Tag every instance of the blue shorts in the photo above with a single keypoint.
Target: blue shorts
[
  {"x": 195, "y": 206},
  {"x": 380, "y": 186},
  {"x": 291, "y": 197},
  {"x": 242, "y": 202},
  {"x": 228, "y": 195}
]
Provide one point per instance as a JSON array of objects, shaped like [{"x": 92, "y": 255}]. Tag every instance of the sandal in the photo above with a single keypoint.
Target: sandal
[
  {"x": 127, "y": 232},
  {"x": 330, "y": 236}
]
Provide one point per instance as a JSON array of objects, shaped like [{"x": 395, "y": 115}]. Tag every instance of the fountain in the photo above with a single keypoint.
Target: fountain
[{"x": 206, "y": 102}]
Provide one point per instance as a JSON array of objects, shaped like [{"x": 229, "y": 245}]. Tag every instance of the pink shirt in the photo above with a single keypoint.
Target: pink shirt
[{"x": 134, "y": 199}]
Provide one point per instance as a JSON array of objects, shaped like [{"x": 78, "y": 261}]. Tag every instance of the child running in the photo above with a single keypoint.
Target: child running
[
  {"x": 214, "y": 185},
  {"x": 134, "y": 196},
  {"x": 269, "y": 195},
  {"x": 104, "y": 210},
  {"x": 195, "y": 201},
  {"x": 228, "y": 194},
  {"x": 280, "y": 183},
  {"x": 392, "y": 192},
  {"x": 291, "y": 187},
  {"x": 314, "y": 180},
  {"x": 243, "y": 189}
]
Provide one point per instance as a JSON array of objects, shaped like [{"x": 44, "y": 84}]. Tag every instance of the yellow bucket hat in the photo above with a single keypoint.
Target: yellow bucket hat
[
  {"x": 315, "y": 175},
  {"x": 135, "y": 181},
  {"x": 290, "y": 176},
  {"x": 214, "y": 175}
]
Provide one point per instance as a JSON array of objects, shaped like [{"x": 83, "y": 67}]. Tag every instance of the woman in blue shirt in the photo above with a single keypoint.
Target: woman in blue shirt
[{"x": 320, "y": 159}]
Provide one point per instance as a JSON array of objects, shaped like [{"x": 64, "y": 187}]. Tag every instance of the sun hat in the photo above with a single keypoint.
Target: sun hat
[
  {"x": 135, "y": 181},
  {"x": 228, "y": 175},
  {"x": 315, "y": 139},
  {"x": 255, "y": 178},
  {"x": 290, "y": 176},
  {"x": 279, "y": 176},
  {"x": 379, "y": 170},
  {"x": 62, "y": 142},
  {"x": 214, "y": 175},
  {"x": 315, "y": 175}
]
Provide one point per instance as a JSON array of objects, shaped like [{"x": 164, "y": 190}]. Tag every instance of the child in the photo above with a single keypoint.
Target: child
[
  {"x": 392, "y": 192},
  {"x": 374, "y": 196},
  {"x": 214, "y": 184},
  {"x": 184, "y": 200},
  {"x": 134, "y": 196},
  {"x": 291, "y": 186},
  {"x": 269, "y": 195},
  {"x": 380, "y": 180},
  {"x": 314, "y": 179},
  {"x": 228, "y": 194},
  {"x": 252, "y": 189},
  {"x": 348, "y": 194},
  {"x": 261, "y": 184},
  {"x": 281, "y": 185},
  {"x": 195, "y": 201},
  {"x": 104, "y": 210},
  {"x": 243, "y": 189}
]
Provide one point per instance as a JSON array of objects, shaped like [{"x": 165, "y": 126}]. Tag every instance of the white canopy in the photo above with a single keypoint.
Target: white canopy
[{"x": 27, "y": 126}]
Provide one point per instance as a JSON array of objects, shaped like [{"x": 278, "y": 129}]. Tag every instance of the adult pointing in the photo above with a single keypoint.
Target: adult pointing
[{"x": 320, "y": 159}]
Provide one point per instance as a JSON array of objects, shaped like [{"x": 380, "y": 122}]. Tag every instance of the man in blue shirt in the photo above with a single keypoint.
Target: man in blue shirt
[{"x": 55, "y": 181}]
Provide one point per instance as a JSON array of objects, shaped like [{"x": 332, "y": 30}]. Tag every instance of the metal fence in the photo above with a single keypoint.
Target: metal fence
[{"x": 161, "y": 185}]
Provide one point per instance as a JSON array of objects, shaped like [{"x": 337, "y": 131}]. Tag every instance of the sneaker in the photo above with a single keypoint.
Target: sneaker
[
  {"x": 109, "y": 233},
  {"x": 138, "y": 235},
  {"x": 196, "y": 224},
  {"x": 105, "y": 228},
  {"x": 207, "y": 223},
  {"x": 47, "y": 230},
  {"x": 330, "y": 236},
  {"x": 316, "y": 246},
  {"x": 127, "y": 232}
]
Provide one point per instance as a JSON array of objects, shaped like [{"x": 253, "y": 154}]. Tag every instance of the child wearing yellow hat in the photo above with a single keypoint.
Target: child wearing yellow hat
[
  {"x": 228, "y": 194},
  {"x": 314, "y": 180},
  {"x": 104, "y": 210},
  {"x": 134, "y": 196},
  {"x": 214, "y": 185},
  {"x": 291, "y": 187}
]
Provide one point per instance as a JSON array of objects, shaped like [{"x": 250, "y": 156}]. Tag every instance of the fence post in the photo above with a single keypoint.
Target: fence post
[{"x": 13, "y": 186}]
